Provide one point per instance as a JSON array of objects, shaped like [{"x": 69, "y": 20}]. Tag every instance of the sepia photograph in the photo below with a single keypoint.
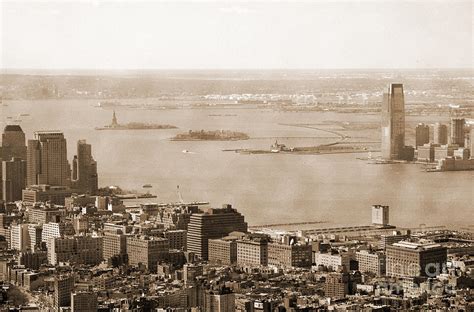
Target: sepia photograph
[{"x": 236, "y": 155}]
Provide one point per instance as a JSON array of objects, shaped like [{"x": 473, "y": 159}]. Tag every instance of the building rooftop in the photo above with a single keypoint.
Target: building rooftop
[
  {"x": 417, "y": 245},
  {"x": 13, "y": 128}
]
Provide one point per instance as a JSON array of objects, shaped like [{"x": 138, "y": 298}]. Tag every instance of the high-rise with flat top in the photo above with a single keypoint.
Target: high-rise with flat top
[
  {"x": 13, "y": 143},
  {"x": 393, "y": 122},
  {"x": 440, "y": 134},
  {"x": 63, "y": 287},
  {"x": 422, "y": 134},
  {"x": 457, "y": 131},
  {"x": 147, "y": 251},
  {"x": 12, "y": 179},
  {"x": 415, "y": 259},
  {"x": 84, "y": 169},
  {"x": 47, "y": 159},
  {"x": 214, "y": 223},
  {"x": 12, "y": 147},
  {"x": 380, "y": 215}
]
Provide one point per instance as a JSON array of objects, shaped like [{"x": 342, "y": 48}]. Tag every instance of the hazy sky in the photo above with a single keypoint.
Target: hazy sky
[{"x": 235, "y": 34}]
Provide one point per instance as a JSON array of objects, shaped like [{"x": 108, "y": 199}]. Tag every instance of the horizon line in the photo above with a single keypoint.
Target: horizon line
[{"x": 39, "y": 71}]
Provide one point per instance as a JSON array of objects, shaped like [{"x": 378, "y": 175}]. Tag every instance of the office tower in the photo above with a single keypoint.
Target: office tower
[
  {"x": 393, "y": 122},
  {"x": 214, "y": 223},
  {"x": 84, "y": 301},
  {"x": 457, "y": 131},
  {"x": 415, "y": 259},
  {"x": 47, "y": 159},
  {"x": 336, "y": 285},
  {"x": 373, "y": 262},
  {"x": 19, "y": 237},
  {"x": 13, "y": 146},
  {"x": 223, "y": 250},
  {"x": 13, "y": 143},
  {"x": 440, "y": 134},
  {"x": 84, "y": 172},
  {"x": 147, "y": 251},
  {"x": 32, "y": 260},
  {"x": 63, "y": 287},
  {"x": 13, "y": 179},
  {"x": 84, "y": 250},
  {"x": 422, "y": 134},
  {"x": 55, "y": 229},
  {"x": 289, "y": 254},
  {"x": 177, "y": 239},
  {"x": 115, "y": 244},
  {"x": 380, "y": 215},
  {"x": 252, "y": 251}
]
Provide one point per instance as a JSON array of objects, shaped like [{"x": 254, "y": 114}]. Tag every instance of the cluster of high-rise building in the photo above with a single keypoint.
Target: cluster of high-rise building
[
  {"x": 39, "y": 170},
  {"x": 88, "y": 252},
  {"x": 88, "y": 256},
  {"x": 452, "y": 150}
]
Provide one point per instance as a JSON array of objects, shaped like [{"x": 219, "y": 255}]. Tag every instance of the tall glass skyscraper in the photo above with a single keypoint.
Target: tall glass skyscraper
[{"x": 393, "y": 122}]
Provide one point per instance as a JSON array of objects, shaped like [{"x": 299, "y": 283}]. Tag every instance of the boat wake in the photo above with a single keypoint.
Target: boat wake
[{"x": 188, "y": 152}]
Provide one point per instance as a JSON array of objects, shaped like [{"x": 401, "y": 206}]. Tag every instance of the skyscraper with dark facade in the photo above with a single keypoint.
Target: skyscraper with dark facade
[
  {"x": 84, "y": 169},
  {"x": 13, "y": 179},
  {"x": 422, "y": 134},
  {"x": 393, "y": 122},
  {"x": 63, "y": 287},
  {"x": 440, "y": 134},
  {"x": 457, "y": 131},
  {"x": 214, "y": 223},
  {"x": 12, "y": 146},
  {"x": 13, "y": 143},
  {"x": 47, "y": 159}
]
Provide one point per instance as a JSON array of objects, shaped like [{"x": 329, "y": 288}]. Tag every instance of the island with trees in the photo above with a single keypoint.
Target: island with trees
[{"x": 215, "y": 135}]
